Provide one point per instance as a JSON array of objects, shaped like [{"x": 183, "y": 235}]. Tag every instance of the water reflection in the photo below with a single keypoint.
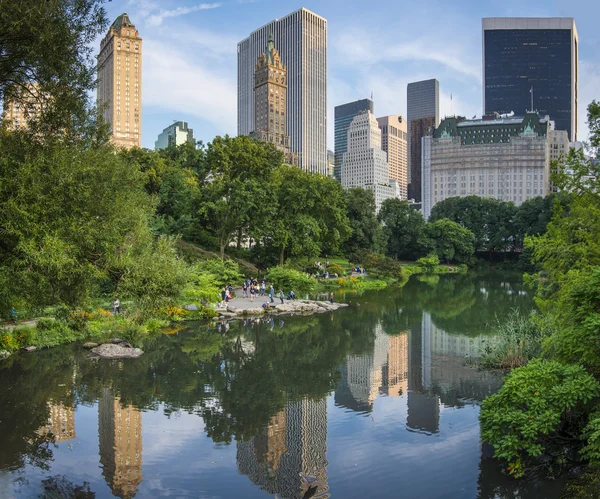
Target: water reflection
[
  {"x": 293, "y": 445},
  {"x": 265, "y": 385},
  {"x": 120, "y": 437}
]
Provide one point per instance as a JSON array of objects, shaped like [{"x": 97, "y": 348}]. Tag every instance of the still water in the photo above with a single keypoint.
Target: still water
[{"x": 374, "y": 400}]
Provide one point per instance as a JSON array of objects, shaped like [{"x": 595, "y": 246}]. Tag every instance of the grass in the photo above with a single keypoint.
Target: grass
[{"x": 517, "y": 341}]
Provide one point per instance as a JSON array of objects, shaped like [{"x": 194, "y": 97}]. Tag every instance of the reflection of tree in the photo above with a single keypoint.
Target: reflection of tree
[{"x": 29, "y": 382}]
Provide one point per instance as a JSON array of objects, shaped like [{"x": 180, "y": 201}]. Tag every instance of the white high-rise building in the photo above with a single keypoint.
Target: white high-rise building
[
  {"x": 174, "y": 135},
  {"x": 364, "y": 163},
  {"x": 301, "y": 38}
]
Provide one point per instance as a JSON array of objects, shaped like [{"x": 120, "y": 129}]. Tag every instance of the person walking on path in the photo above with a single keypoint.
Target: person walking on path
[
  {"x": 252, "y": 292},
  {"x": 272, "y": 293},
  {"x": 223, "y": 295},
  {"x": 281, "y": 295},
  {"x": 331, "y": 297}
]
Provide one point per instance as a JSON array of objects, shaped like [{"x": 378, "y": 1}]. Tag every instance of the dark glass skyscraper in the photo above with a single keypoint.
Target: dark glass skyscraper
[
  {"x": 525, "y": 57},
  {"x": 423, "y": 115},
  {"x": 343, "y": 116}
]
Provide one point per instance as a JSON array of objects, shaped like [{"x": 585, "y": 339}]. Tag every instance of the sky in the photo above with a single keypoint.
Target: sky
[{"x": 190, "y": 54}]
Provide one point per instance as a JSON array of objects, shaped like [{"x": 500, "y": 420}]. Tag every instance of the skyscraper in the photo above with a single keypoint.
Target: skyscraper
[
  {"x": 423, "y": 115},
  {"x": 120, "y": 82},
  {"x": 174, "y": 135},
  {"x": 531, "y": 57},
  {"x": 270, "y": 97},
  {"x": 364, "y": 164},
  {"x": 394, "y": 141},
  {"x": 343, "y": 116},
  {"x": 301, "y": 39}
]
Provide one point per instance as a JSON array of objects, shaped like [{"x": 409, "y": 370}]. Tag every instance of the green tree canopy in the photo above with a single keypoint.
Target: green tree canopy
[
  {"x": 49, "y": 42},
  {"x": 449, "y": 241},
  {"x": 403, "y": 229},
  {"x": 366, "y": 230}
]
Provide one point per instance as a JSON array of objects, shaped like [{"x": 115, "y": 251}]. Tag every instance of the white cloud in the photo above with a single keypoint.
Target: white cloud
[
  {"x": 356, "y": 47},
  {"x": 157, "y": 19},
  {"x": 176, "y": 82}
]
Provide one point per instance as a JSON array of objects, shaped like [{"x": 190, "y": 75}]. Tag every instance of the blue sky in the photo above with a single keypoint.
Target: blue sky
[{"x": 189, "y": 53}]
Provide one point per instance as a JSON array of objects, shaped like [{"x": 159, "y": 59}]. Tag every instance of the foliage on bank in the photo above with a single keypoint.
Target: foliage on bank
[{"x": 548, "y": 411}]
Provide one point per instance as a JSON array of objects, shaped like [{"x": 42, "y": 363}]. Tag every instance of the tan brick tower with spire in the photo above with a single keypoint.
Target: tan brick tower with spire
[
  {"x": 270, "y": 100},
  {"x": 120, "y": 82}
]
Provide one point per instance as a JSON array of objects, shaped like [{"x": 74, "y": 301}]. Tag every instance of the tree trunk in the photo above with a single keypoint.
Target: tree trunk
[
  {"x": 281, "y": 255},
  {"x": 239, "y": 238},
  {"x": 222, "y": 249}
]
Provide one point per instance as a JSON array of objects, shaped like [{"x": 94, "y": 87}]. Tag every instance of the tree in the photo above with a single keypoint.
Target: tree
[
  {"x": 403, "y": 228},
  {"x": 490, "y": 220},
  {"x": 71, "y": 217},
  {"x": 366, "y": 230},
  {"x": 309, "y": 214},
  {"x": 236, "y": 190},
  {"x": 49, "y": 42},
  {"x": 449, "y": 241}
]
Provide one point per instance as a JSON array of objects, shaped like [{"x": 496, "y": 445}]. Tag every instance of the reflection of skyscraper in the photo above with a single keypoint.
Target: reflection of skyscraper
[
  {"x": 423, "y": 408},
  {"x": 395, "y": 372},
  {"x": 294, "y": 444},
  {"x": 362, "y": 375},
  {"x": 61, "y": 422},
  {"x": 120, "y": 435}
]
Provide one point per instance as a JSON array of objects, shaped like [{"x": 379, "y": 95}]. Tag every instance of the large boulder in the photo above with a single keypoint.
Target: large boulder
[{"x": 113, "y": 351}]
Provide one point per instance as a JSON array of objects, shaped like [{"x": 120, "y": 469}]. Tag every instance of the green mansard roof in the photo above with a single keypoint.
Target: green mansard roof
[{"x": 122, "y": 20}]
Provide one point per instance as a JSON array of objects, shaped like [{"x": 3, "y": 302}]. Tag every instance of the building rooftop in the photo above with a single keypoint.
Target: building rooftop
[
  {"x": 122, "y": 20},
  {"x": 492, "y": 129}
]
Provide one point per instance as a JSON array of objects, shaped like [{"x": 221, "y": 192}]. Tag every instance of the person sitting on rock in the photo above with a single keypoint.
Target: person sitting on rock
[
  {"x": 291, "y": 295},
  {"x": 265, "y": 305}
]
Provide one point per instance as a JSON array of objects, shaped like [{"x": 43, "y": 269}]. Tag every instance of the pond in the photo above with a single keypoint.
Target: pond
[{"x": 374, "y": 400}]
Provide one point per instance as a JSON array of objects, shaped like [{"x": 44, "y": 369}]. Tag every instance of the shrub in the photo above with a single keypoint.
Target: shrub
[
  {"x": 224, "y": 271},
  {"x": 77, "y": 320},
  {"x": 517, "y": 341},
  {"x": 7, "y": 341},
  {"x": 429, "y": 263},
  {"x": 334, "y": 268},
  {"x": 289, "y": 279},
  {"x": 534, "y": 402}
]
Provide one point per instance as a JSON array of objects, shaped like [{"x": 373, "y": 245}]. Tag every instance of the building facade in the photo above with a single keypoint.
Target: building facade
[
  {"x": 343, "y": 116},
  {"x": 423, "y": 115},
  {"x": 521, "y": 54},
  {"x": 394, "y": 141},
  {"x": 174, "y": 135},
  {"x": 120, "y": 82},
  {"x": 364, "y": 164},
  {"x": 330, "y": 163},
  {"x": 25, "y": 106},
  {"x": 302, "y": 44},
  {"x": 501, "y": 158},
  {"x": 270, "y": 101}
]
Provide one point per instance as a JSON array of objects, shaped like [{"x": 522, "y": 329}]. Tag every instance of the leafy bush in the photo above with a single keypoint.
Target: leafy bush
[
  {"x": 289, "y": 279},
  {"x": 537, "y": 401},
  {"x": 334, "y": 268},
  {"x": 7, "y": 341},
  {"x": 202, "y": 286},
  {"x": 518, "y": 340},
  {"x": 154, "y": 324},
  {"x": 429, "y": 263},
  {"x": 224, "y": 271}
]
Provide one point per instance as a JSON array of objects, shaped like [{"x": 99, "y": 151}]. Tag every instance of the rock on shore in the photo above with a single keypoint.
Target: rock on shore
[
  {"x": 302, "y": 307},
  {"x": 116, "y": 351}
]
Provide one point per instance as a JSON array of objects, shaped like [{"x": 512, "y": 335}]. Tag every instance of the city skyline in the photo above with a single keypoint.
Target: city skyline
[{"x": 208, "y": 58}]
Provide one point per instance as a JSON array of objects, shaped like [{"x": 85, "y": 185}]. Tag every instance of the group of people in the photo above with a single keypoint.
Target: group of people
[
  {"x": 251, "y": 289},
  {"x": 226, "y": 295}
]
